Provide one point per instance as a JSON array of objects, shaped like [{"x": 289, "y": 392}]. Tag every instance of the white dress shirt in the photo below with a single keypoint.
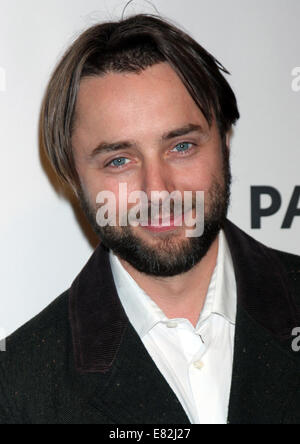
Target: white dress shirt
[{"x": 196, "y": 362}]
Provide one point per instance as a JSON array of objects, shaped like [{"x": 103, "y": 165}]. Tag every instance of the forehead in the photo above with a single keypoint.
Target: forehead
[{"x": 154, "y": 97}]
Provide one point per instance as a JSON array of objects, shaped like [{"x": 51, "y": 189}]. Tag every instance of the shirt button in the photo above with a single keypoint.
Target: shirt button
[
  {"x": 198, "y": 364},
  {"x": 171, "y": 324}
]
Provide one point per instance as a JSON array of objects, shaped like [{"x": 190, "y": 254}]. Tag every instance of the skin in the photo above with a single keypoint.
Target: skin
[{"x": 141, "y": 108}]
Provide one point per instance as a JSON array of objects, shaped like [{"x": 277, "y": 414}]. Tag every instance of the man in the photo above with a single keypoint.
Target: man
[{"x": 159, "y": 327}]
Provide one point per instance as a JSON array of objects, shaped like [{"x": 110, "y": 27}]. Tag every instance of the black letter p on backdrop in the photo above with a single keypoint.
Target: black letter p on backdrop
[{"x": 257, "y": 213}]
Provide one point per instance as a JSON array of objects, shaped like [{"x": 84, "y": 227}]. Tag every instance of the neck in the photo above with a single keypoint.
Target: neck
[{"x": 181, "y": 296}]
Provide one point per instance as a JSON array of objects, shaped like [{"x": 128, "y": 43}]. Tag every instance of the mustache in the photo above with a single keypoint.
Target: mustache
[
  {"x": 162, "y": 211},
  {"x": 172, "y": 206},
  {"x": 152, "y": 206}
]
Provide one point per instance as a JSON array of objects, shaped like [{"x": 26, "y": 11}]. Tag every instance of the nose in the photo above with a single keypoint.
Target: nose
[{"x": 156, "y": 176}]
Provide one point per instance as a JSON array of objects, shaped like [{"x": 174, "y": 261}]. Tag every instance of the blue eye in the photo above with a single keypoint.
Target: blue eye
[
  {"x": 183, "y": 147},
  {"x": 118, "y": 162}
]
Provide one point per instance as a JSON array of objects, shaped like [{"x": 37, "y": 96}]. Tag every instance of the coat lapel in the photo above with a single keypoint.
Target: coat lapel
[
  {"x": 137, "y": 393},
  {"x": 266, "y": 373},
  {"x": 265, "y": 377},
  {"x": 129, "y": 388}
]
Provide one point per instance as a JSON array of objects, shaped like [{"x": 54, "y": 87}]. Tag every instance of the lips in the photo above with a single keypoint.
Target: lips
[{"x": 166, "y": 222}]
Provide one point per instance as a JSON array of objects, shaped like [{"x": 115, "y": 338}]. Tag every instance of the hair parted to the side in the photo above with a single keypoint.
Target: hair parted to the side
[{"x": 129, "y": 45}]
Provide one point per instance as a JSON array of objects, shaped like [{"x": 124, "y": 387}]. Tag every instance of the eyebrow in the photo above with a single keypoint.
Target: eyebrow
[{"x": 105, "y": 147}]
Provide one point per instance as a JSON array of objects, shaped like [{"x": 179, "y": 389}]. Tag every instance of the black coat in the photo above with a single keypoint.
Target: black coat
[{"x": 80, "y": 361}]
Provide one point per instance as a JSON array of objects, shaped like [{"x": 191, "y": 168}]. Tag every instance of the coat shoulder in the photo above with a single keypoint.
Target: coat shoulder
[
  {"x": 33, "y": 361},
  {"x": 289, "y": 260},
  {"x": 48, "y": 324},
  {"x": 291, "y": 265}
]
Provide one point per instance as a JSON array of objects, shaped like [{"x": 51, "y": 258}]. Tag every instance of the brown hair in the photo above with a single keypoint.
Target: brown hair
[{"x": 130, "y": 45}]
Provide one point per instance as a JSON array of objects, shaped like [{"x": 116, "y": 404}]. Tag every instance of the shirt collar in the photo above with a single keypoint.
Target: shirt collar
[
  {"x": 144, "y": 313},
  {"x": 225, "y": 300}
]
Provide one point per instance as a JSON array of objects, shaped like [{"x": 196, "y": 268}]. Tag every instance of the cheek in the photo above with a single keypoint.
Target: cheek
[
  {"x": 93, "y": 184},
  {"x": 120, "y": 189},
  {"x": 199, "y": 177}
]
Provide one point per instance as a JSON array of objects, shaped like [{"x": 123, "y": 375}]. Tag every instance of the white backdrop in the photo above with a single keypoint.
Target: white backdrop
[{"x": 43, "y": 247}]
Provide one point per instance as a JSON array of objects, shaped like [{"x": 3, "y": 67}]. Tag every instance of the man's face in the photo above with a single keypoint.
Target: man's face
[{"x": 138, "y": 112}]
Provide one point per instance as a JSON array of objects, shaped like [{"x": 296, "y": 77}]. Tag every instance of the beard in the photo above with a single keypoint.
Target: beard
[{"x": 167, "y": 256}]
